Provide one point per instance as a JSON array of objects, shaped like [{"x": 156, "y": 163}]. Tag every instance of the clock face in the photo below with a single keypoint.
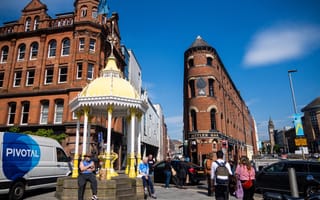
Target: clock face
[{"x": 201, "y": 83}]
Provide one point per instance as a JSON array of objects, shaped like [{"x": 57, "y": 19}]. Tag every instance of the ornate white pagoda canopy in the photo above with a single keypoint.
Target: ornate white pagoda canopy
[{"x": 111, "y": 94}]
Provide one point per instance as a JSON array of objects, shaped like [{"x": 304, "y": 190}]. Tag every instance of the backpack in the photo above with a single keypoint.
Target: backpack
[{"x": 222, "y": 174}]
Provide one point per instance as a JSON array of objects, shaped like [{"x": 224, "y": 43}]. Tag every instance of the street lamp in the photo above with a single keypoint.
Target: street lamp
[{"x": 292, "y": 91}]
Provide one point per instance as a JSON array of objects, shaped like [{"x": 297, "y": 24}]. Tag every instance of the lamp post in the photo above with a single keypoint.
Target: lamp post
[{"x": 292, "y": 91}]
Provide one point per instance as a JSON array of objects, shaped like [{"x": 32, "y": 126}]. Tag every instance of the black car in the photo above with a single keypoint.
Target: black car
[
  {"x": 195, "y": 172},
  {"x": 275, "y": 177}
]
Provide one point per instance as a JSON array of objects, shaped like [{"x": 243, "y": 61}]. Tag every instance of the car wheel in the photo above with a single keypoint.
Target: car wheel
[
  {"x": 310, "y": 190},
  {"x": 17, "y": 191}
]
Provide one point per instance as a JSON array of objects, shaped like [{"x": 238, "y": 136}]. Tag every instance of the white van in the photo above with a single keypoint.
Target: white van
[{"x": 30, "y": 162}]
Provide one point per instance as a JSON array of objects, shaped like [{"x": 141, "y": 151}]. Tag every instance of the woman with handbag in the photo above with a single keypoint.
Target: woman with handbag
[{"x": 246, "y": 173}]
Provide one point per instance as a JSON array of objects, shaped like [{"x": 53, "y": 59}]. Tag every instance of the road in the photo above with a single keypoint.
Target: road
[{"x": 172, "y": 193}]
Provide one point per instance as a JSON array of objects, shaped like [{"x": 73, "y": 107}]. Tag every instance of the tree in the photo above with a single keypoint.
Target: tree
[
  {"x": 276, "y": 148},
  {"x": 48, "y": 133},
  {"x": 14, "y": 129}
]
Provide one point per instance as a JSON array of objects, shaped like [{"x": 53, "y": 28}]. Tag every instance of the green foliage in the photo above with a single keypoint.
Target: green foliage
[
  {"x": 14, "y": 129},
  {"x": 276, "y": 148},
  {"x": 48, "y": 133}
]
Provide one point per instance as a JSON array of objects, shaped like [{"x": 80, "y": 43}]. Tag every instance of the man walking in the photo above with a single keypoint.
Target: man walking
[{"x": 220, "y": 171}]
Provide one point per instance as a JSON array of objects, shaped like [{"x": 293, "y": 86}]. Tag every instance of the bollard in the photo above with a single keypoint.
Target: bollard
[{"x": 293, "y": 182}]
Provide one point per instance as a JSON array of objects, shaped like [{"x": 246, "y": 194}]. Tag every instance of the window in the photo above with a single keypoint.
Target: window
[
  {"x": 4, "y": 54},
  {"x": 92, "y": 45},
  {"x": 314, "y": 168},
  {"x": 44, "y": 112},
  {"x": 36, "y": 23},
  {"x": 61, "y": 156},
  {"x": 190, "y": 63},
  {"x": 192, "y": 88},
  {"x": 25, "y": 112},
  {"x": 209, "y": 61},
  {"x": 28, "y": 24},
  {"x": 193, "y": 120},
  {"x": 65, "y": 47},
  {"x": 84, "y": 11},
  {"x": 30, "y": 77},
  {"x": 213, "y": 119},
  {"x": 211, "y": 87},
  {"x": 81, "y": 44},
  {"x": 52, "y": 48},
  {"x": 58, "y": 114},
  {"x": 34, "y": 51},
  {"x": 21, "y": 51},
  {"x": 1, "y": 79},
  {"x": 63, "y": 74},
  {"x": 79, "y": 70},
  {"x": 17, "y": 79},
  {"x": 90, "y": 71},
  {"x": 48, "y": 76},
  {"x": 94, "y": 13},
  {"x": 11, "y": 113}
]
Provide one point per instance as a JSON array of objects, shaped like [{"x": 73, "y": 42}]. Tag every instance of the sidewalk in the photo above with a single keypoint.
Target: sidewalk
[{"x": 190, "y": 192}]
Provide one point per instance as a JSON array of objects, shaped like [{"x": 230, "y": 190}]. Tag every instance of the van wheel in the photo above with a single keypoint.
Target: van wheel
[{"x": 17, "y": 191}]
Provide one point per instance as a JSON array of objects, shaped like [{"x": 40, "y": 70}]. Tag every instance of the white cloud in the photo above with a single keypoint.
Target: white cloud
[
  {"x": 174, "y": 120},
  {"x": 252, "y": 101},
  {"x": 281, "y": 43}
]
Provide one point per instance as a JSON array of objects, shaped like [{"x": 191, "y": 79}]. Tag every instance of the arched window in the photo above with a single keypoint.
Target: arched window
[
  {"x": 211, "y": 87},
  {"x": 94, "y": 13},
  {"x": 84, "y": 11},
  {"x": 209, "y": 61},
  {"x": 193, "y": 120},
  {"x": 11, "y": 112},
  {"x": 58, "y": 111},
  {"x": 190, "y": 63},
  {"x": 213, "y": 119},
  {"x": 4, "y": 54},
  {"x": 36, "y": 23},
  {"x": 34, "y": 50},
  {"x": 21, "y": 51},
  {"x": 44, "y": 112},
  {"x": 28, "y": 24},
  {"x": 25, "y": 112},
  {"x": 65, "y": 47},
  {"x": 52, "y": 48},
  {"x": 192, "y": 88}
]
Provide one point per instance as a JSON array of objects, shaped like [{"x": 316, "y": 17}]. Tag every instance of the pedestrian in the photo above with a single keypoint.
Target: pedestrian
[
  {"x": 167, "y": 172},
  {"x": 87, "y": 168},
  {"x": 146, "y": 179},
  {"x": 246, "y": 173},
  {"x": 207, "y": 168},
  {"x": 151, "y": 162},
  {"x": 220, "y": 172},
  {"x": 182, "y": 174}
]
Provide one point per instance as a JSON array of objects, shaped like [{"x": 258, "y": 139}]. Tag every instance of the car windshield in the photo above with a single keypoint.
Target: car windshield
[{"x": 277, "y": 167}]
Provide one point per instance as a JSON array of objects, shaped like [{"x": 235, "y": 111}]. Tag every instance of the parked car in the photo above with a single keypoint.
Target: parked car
[
  {"x": 275, "y": 177},
  {"x": 195, "y": 172}
]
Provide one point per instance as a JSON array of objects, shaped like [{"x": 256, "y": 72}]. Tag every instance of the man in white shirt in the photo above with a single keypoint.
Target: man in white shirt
[{"x": 221, "y": 178}]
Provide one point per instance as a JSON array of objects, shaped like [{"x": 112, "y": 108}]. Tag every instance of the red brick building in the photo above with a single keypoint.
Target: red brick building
[
  {"x": 215, "y": 115},
  {"x": 45, "y": 62}
]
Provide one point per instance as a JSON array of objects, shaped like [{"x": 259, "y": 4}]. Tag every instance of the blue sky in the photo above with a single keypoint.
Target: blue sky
[{"x": 257, "y": 41}]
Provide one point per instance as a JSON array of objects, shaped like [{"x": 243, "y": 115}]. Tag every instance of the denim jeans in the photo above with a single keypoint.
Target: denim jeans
[
  {"x": 147, "y": 182},
  {"x": 167, "y": 174}
]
